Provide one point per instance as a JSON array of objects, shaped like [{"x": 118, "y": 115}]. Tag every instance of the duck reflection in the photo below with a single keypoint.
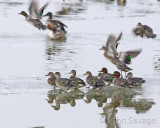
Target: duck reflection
[
  {"x": 123, "y": 98},
  {"x": 99, "y": 95},
  {"x": 121, "y": 2},
  {"x": 65, "y": 98}
]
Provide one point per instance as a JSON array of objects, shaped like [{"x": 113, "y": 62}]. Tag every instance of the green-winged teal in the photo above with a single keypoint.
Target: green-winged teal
[
  {"x": 52, "y": 79},
  {"x": 145, "y": 29},
  {"x": 57, "y": 27},
  {"x": 75, "y": 80},
  {"x": 120, "y": 82},
  {"x": 107, "y": 77},
  {"x": 121, "y": 59},
  {"x": 35, "y": 15},
  {"x": 63, "y": 83},
  {"x": 137, "y": 81},
  {"x": 94, "y": 81}
]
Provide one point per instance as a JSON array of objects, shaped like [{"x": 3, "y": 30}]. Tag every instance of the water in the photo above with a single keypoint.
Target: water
[{"x": 27, "y": 55}]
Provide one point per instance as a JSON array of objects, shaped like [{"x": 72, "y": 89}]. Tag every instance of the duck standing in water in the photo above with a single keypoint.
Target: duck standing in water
[
  {"x": 137, "y": 81},
  {"x": 52, "y": 79},
  {"x": 144, "y": 29},
  {"x": 75, "y": 80},
  {"x": 120, "y": 82},
  {"x": 107, "y": 77},
  {"x": 94, "y": 81},
  {"x": 35, "y": 15},
  {"x": 119, "y": 59},
  {"x": 63, "y": 83},
  {"x": 57, "y": 28}
]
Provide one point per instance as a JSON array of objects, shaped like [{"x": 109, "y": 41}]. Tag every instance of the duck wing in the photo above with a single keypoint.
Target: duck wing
[
  {"x": 34, "y": 10},
  {"x": 41, "y": 10},
  {"x": 77, "y": 80},
  {"x": 128, "y": 55},
  {"x": 111, "y": 46}
]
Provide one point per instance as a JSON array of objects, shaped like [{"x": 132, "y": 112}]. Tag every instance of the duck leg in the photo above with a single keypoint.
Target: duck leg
[{"x": 121, "y": 74}]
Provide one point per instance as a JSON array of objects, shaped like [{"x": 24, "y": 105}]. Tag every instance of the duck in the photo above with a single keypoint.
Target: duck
[
  {"x": 52, "y": 79},
  {"x": 145, "y": 29},
  {"x": 137, "y": 81},
  {"x": 56, "y": 27},
  {"x": 63, "y": 83},
  {"x": 75, "y": 80},
  {"x": 120, "y": 82},
  {"x": 94, "y": 81},
  {"x": 119, "y": 59},
  {"x": 107, "y": 77},
  {"x": 35, "y": 15}
]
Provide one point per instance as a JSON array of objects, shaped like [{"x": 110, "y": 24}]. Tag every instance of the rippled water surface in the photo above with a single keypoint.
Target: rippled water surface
[{"x": 27, "y": 55}]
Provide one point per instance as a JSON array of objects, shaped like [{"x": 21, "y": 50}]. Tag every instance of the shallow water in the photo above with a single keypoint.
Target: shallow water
[{"x": 27, "y": 55}]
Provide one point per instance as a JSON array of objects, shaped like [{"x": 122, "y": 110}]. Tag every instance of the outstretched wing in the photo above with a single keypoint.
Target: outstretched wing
[
  {"x": 41, "y": 10},
  {"x": 128, "y": 55},
  {"x": 33, "y": 9},
  {"x": 112, "y": 44}
]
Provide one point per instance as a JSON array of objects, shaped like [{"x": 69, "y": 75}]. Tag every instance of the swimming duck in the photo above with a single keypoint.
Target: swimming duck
[
  {"x": 75, "y": 80},
  {"x": 63, "y": 83},
  {"x": 57, "y": 28},
  {"x": 35, "y": 15},
  {"x": 94, "y": 81},
  {"x": 107, "y": 77},
  {"x": 137, "y": 81},
  {"x": 146, "y": 30},
  {"x": 119, "y": 59},
  {"x": 52, "y": 79}
]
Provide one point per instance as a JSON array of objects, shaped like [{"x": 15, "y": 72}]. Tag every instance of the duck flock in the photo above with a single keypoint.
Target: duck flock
[{"x": 120, "y": 59}]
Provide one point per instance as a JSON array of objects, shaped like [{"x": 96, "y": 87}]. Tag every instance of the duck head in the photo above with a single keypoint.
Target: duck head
[
  {"x": 103, "y": 48},
  {"x": 51, "y": 74},
  {"x": 88, "y": 73},
  {"x": 23, "y": 13},
  {"x": 139, "y": 24},
  {"x": 57, "y": 75},
  {"x": 130, "y": 75},
  {"x": 116, "y": 74},
  {"x": 48, "y": 14},
  {"x": 104, "y": 70},
  {"x": 73, "y": 73}
]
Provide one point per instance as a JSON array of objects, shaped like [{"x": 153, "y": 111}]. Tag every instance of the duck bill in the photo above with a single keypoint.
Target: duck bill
[
  {"x": 84, "y": 74},
  {"x": 46, "y": 75},
  {"x": 69, "y": 73},
  {"x": 100, "y": 49},
  {"x": 99, "y": 71}
]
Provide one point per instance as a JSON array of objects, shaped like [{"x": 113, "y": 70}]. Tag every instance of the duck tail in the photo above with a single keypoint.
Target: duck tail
[
  {"x": 154, "y": 35},
  {"x": 63, "y": 29}
]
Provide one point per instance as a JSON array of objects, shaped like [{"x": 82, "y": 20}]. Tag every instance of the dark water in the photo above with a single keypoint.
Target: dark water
[{"x": 27, "y": 55}]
